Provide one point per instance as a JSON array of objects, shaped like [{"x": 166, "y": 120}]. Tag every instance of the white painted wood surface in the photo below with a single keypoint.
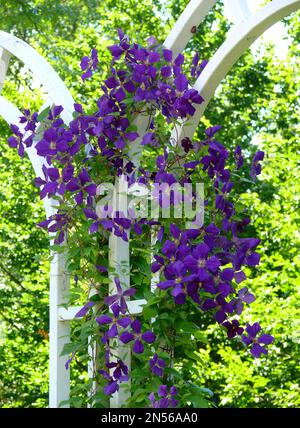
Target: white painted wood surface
[
  {"x": 119, "y": 260},
  {"x": 237, "y": 10},
  {"x": 4, "y": 61},
  {"x": 183, "y": 29},
  {"x": 42, "y": 70}
]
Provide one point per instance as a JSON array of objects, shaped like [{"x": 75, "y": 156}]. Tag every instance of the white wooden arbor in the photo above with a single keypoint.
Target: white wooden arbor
[{"x": 245, "y": 31}]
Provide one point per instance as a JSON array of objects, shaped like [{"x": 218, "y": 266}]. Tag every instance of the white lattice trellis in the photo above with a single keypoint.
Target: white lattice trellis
[{"x": 246, "y": 30}]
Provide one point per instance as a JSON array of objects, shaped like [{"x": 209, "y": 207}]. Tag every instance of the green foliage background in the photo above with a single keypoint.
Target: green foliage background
[{"x": 257, "y": 104}]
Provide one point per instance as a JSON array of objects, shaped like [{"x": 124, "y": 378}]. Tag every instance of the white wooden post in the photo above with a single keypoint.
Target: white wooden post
[
  {"x": 59, "y": 381},
  {"x": 119, "y": 260}
]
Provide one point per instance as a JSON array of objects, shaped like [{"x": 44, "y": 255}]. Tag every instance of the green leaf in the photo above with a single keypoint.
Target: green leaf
[
  {"x": 69, "y": 348},
  {"x": 200, "y": 336},
  {"x": 197, "y": 398},
  {"x": 95, "y": 298},
  {"x": 43, "y": 114},
  {"x": 186, "y": 326},
  {"x": 149, "y": 312}
]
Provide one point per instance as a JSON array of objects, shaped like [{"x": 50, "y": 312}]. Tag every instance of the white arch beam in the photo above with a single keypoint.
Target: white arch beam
[
  {"x": 187, "y": 23},
  {"x": 237, "y": 10},
  {"x": 41, "y": 69},
  {"x": 239, "y": 39}
]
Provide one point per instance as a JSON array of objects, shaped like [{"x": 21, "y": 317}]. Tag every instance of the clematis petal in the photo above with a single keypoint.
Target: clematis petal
[
  {"x": 162, "y": 391},
  {"x": 104, "y": 319},
  {"x": 126, "y": 337},
  {"x": 138, "y": 347},
  {"x": 83, "y": 311},
  {"x": 124, "y": 322},
  {"x": 111, "y": 388},
  {"x": 266, "y": 339},
  {"x": 136, "y": 326},
  {"x": 258, "y": 350},
  {"x": 113, "y": 331},
  {"x": 148, "y": 337}
]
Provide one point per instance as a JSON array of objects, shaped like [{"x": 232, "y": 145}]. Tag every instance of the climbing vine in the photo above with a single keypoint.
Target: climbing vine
[{"x": 187, "y": 254}]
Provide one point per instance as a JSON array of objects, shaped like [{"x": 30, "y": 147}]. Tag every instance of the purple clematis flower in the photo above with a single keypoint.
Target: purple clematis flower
[
  {"x": 210, "y": 132},
  {"x": 214, "y": 162},
  {"x": 157, "y": 365},
  {"x": 257, "y": 343},
  {"x": 122, "y": 48},
  {"x": 197, "y": 68},
  {"x": 191, "y": 165},
  {"x": 165, "y": 193},
  {"x": 239, "y": 160},
  {"x": 200, "y": 263},
  {"x": 149, "y": 138},
  {"x": 177, "y": 277},
  {"x": 154, "y": 402},
  {"x": 223, "y": 282},
  {"x": 245, "y": 254},
  {"x": 233, "y": 328},
  {"x": 117, "y": 377},
  {"x": 16, "y": 141},
  {"x": 221, "y": 307},
  {"x": 256, "y": 166},
  {"x": 138, "y": 337},
  {"x": 239, "y": 276},
  {"x": 120, "y": 369},
  {"x": 53, "y": 183},
  {"x": 187, "y": 144},
  {"x": 243, "y": 297},
  {"x": 125, "y": 138},
  {"x": 184, "y": 104},
  {"x": 51, "y": 144},
  {"x": 67, "y": 364},
  {"x": 111, "y": 387},
  {"x": 29, "y": 119},
  {"x": 158, "y": 264},
  {"x": 82, "y": 185},
  {"x": 119, "y": 224},
  {"x": 88, "y": 64},
  {"x": 114, "y": 321},
  {"x": 102, "y": 269},
  {"x": 54, "y": 112},
  {"x": 56, "y": 223},
  {"x": 181, "y": 238},
  {"x": 120, "y": 296},
  {"x": 167, "y": 399},
  {"x": 189, "y": 288}
]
